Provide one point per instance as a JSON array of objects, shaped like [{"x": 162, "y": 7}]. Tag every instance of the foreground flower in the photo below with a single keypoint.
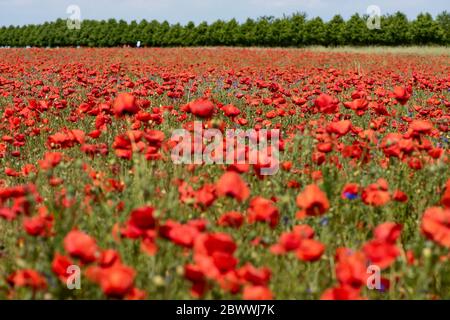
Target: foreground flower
[
  {"x": 141, "y": 220},
  {"x": 312, "y": 201},
  {"x": 310, "y": 250},
  {"x": 231, "y": 184},
  {"x": 257, "y": 293},
  {"x": 421, "y": 126},
  {"x": 290, "y": 241},
  {"x": 326, "y": 103},
  {"x": 381, "y": 253},
  {"x": 80, "y": 245},
  {"x": 351, "y": 269},
  {"x": 60, "y": 266},
  {"x": 231, "y": 219},
  {"x": 40, "y": 225},
  {"x": 446, "y": 196},
  {"x": 27, "y": 278},
  {"x": 350, "y": 191},
  {"x": 388, "y": 232},
  {"x": 341, "y": 293},
  {"x": 142, "y": 224},
  {"x": 117, "y": 281},
  {"x": 376, "y": 194},
  {"x": 436, "y": 225},
  {"x": 125, "y": 103},
  {"x": 263, "y": 210},
  {"x": 202, "y": 108},
  {"x": 401, "y": 95}
]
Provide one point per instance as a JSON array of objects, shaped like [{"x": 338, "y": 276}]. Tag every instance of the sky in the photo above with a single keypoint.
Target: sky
[{"x": 20, "y": 12}]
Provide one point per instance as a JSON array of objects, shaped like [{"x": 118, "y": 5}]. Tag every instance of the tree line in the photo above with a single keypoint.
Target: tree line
[{"x": 288, "y": 31}]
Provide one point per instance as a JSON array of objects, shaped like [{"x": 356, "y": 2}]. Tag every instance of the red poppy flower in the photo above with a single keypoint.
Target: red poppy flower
[
  {"x": 231, "y": 184},
  {"x": 183, "y": 235},
  {"x": 117, "y": 281},
  {"x": 230, "y": 282},
  {"x": 446, "y": 196},
  {"x": 290, "y": 241},
  {"x": 400, "y": 196},
  {"x": 40, "y": 225},
  {"x": 125, "y": 103},
  {"x": 401, "y": 95},
  {"x": 340, "y": 128},
  {"x": 436, "y": 225},
  {"x": 66, "y": 138},
  {"x": 421, "y": 126},
  {"x": 381, "y": 253},
  {"x": 51, "y": 160},
  {"x": 310, "y": 250},
  {"x": 8, "y": 214},
  {"x": 80, "y": 245},
  {"x": 326, "y": 104},
  {"x": 256, "y": 293},
  {"x": 154, "y": 137},
  {"x": 136, "y": 294},
  {"x": 263, "y": 210},
  {"x": 255, "y": 276},
  {"x": 304, "y": 231},
  {"x": 142, "y": 218},
  {"x": 109, "y": 258},
  {"x": 312, "y": 201},
  {"x": 27, "y": 278},
  {"x": 376, "y": 194},
  {"x": 341, "y": 293},
  {"x": 388, "y": 232},
  {"x": 231, "y": 219},
  {"x": 206, "y": 195},
  {"x": 199, "y": 284},
  {"x": 202, "y": 108},
  {"x": 60, "y": 265},
  {"x": 193, "y": 273},
  {"x": 350, "y": 191},
  {"x": 207, "y": 244},
  {"x": 391, "y": 144},
  {"x": 358, "y": 105},
  {"x": 351, "y": 269},
  {"x": 11, "y": 172},
  {"x": 141, "y": 221},
  {"x": 230, "y": 110},
  {"x": 224, "y": 261}
]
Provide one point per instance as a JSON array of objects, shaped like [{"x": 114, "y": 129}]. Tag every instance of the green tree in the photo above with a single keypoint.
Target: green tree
[
  {"x": 248, "y": 33},
  {"x": 424, "y": 30},
  {"x": 294, "y": 30},
  {"x": 335, "y": 31},
  {"x": 231, "y": 33},
  {"x": 298, "y": 21},
  {"x": 443, "y": 20},
  {"x": 315, "y": 32},
  {"x": 396, "y": 29},
  {"x": 356, "y": 31},
  {"x": 201, "y": 34}
]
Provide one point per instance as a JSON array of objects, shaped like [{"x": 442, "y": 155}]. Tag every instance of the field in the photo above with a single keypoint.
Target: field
[{"x": 92, "y": 205}]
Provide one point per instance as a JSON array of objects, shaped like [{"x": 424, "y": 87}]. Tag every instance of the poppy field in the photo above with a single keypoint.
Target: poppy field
[{"x": 93, "y": 206}]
